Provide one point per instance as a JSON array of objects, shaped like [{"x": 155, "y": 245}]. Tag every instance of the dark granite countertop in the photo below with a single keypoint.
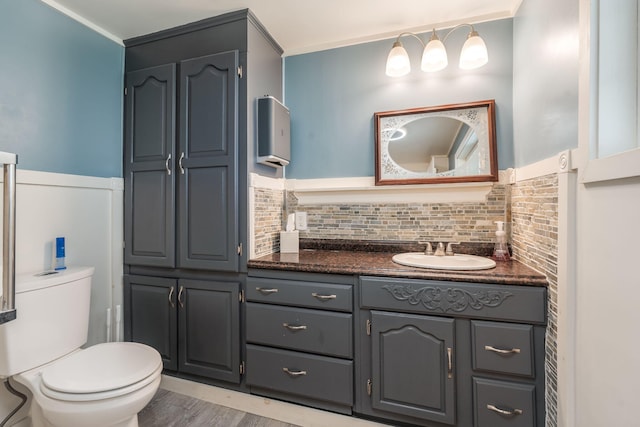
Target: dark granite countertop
[{"x": 344, "y": 257}]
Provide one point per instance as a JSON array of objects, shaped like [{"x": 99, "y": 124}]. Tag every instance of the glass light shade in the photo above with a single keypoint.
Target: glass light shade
[
  {"x": 474, "y": 52},
  {"x": 398, "y": 61},
  {"x": 434, "y": 56}
]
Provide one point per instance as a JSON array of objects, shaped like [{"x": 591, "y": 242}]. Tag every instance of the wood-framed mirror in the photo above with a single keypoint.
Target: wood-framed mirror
[{"x": 433, "y": 145}]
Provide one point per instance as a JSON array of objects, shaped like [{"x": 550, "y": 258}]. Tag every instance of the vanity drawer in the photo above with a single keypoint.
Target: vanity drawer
[
  {"x": 477, "y": 300},
  {"x": 316, "y": 377},
  {"x": 302, "y": 329},
  {"x": 503, "y": 404},
  {"x": 327, "y": 296},
  {"x": 503, "y": 347}
]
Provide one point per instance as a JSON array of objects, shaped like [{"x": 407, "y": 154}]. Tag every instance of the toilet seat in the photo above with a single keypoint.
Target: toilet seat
[
  {"x": 88, "y": 397},
  {"x": 102, "y": 371}
]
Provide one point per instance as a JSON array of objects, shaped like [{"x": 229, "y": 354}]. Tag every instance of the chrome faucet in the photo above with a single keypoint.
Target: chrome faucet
[{"x": 440, "y": 249}]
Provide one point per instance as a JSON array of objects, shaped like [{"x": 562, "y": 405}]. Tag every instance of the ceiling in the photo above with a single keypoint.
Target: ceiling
[{"x": 299, "y": 26}]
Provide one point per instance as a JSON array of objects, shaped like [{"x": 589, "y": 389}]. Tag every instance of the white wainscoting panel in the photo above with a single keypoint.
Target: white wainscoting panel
[{"x": 88, "y": 212}]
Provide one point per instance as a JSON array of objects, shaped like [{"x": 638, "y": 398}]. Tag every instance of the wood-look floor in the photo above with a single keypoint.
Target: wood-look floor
[{"x": 168, "y": 409}]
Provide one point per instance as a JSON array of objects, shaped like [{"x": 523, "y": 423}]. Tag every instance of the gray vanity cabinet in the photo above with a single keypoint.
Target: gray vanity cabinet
[
  {"x": 189, "y": 148},
  {"x": 412, "y": 365},
  {"x": 203, "y": 165},
  {"x": 150, "y": 315},
  {"x": 209, "y": 329},
  {"x": 194, "y": 324},
  {"x": 299, "y": 336},
  {"x": 438, "y": 353}
]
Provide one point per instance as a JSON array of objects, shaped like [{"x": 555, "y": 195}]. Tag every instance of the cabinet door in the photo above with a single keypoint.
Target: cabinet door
[
  {"x": 150, "y": 315},
  {"x": 148, "y": 163},
  {"x": 208, "y": 199},
  {"x": 209, "y": 322},
  {"x": 412, "y": 363}
]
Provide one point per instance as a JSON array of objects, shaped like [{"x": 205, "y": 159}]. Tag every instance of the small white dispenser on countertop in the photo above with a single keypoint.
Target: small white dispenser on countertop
[
  {"x": 290, "y": 238},
  {"x": 501, "y": 250}
]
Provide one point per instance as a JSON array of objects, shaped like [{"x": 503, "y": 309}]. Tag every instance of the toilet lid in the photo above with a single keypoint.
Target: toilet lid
[{"x": 102, "y": 367}]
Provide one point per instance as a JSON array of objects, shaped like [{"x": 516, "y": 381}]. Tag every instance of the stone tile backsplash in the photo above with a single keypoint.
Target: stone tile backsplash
[
  {"x": 433, "y": 222},
  {"x": 534, "y": 237},
  {"x": 267, "y": 220}
]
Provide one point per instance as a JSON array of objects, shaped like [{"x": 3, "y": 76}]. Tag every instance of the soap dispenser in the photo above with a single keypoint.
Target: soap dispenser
[{"x": 501, "y": 251}]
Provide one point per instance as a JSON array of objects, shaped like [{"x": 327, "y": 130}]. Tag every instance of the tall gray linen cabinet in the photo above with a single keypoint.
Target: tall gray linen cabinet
[{"x": 189, "y": 147}]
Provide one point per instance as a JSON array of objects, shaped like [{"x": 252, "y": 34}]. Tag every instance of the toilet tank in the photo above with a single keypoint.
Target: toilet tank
[{"x": 52, "y": 319}]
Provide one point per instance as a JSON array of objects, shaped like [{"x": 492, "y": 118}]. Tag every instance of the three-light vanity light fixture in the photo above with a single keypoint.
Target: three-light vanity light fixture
[{"x": 434, "y": 55}]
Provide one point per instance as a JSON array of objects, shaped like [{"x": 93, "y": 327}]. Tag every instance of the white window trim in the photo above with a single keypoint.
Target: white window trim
[
  {"x": 622, "y": 165},
  {"x": 618, "y": 166}
]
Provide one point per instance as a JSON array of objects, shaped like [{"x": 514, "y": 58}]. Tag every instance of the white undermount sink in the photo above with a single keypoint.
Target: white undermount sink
[{"x": 447, "y": 262}]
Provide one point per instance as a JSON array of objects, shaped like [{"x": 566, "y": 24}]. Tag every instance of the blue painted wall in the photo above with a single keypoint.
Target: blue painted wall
[
  {"x": 333, "y": 95},
  {"x": 545, "y": 84},
  {"x": 60, "y": 92}
]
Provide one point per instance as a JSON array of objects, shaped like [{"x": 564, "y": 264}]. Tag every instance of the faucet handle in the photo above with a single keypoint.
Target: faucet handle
[
  {"x": 449, "y": 250},
  {"x": 429, "y": 249}
]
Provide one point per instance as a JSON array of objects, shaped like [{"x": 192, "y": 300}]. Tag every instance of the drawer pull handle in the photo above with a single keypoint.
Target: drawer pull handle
[
  {"x": 294, "y": 373},
  {"x": 166, "y": 165},
  {"x": 180, "y": 163},
  {"x": 171, "y": 297},
  {"x": 502, "y": 351},
  {"x": 180, "y": 297},
  {"x": 267, "y": 291},
  {"x": 294, "y": 327},
  {"x": 323, "y": 297},
  {"x": 504, "y": 411}
]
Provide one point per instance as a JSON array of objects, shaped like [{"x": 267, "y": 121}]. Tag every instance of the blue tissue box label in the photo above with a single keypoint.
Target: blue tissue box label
[{"x": 59, "y": 247}]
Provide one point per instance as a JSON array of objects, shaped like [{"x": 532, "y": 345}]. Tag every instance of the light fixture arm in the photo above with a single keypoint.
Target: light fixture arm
[
  {"x": 444, "y": 39},
  {"x": 474, "y": 50},
  {"x": 410, "y": 34}
]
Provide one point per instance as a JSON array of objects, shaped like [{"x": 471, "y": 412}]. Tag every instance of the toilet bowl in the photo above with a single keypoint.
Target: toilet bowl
[{"x": 104, "y": 385}]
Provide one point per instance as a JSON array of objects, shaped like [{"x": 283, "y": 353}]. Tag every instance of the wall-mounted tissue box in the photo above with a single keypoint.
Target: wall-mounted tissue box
[{"x": 289, "y": 241}]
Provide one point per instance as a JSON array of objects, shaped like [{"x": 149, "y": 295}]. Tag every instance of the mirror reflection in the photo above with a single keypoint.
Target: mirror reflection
[{"x": 452, "y": 143}]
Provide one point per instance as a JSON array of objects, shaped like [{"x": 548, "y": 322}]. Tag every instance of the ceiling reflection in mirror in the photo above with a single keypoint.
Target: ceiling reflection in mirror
[{"x": 451, "y": 143}]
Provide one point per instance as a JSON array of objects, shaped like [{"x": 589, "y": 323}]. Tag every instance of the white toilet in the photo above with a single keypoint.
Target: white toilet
[{"x": 101, "y": 386}]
